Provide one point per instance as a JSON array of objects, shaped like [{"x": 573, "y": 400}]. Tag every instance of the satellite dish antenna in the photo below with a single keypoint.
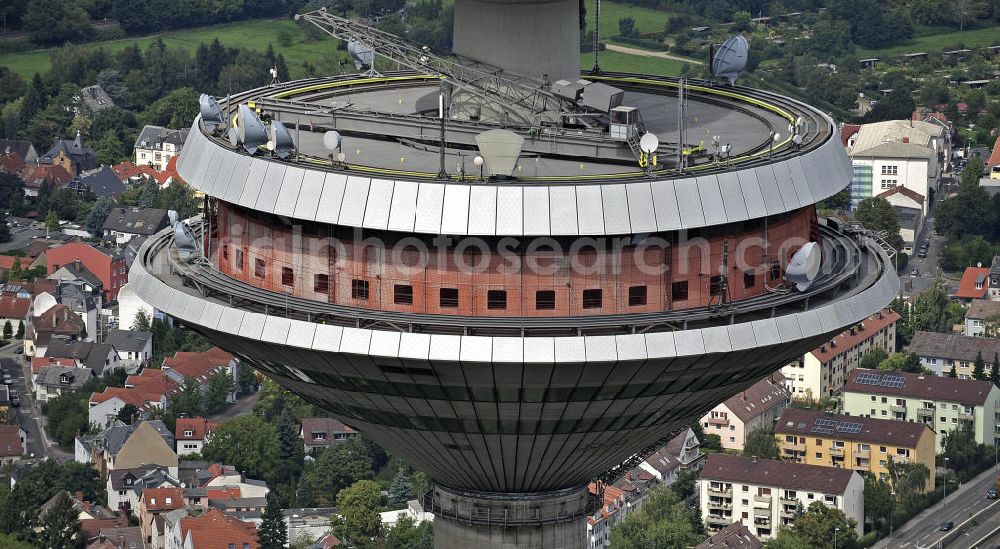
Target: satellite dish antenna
[
  {"x": 210, "y": 109},
  {"x": 331, "y": 140},
  {"x": 250, "y": 130},
  {"x": 804, "y": 266},
  {"x": 731, "y": 58},
  {"x": 649, "y": 142},
  {"x": 282, "y": 139},
  {"x": 186, "y": 242}
]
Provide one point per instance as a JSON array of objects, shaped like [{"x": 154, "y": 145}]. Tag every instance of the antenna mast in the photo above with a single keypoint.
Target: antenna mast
[{"x": 597, "y": 35}]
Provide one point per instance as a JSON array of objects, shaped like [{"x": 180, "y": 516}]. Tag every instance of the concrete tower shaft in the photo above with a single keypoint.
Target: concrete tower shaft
[{"x": 538, "y": 38}]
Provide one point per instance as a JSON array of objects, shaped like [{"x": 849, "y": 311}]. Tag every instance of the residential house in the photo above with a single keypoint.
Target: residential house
[
  {"x": 319, "y": 433},
  {"x": 822, "y": 371},
  {"x": 134, "y": 348},
  {"x": 57, "y": 321},
  {"x": 33, "y": 176},
  {"x": 156, "y": 145},
  {"x": 213, "y": 529},
  {"x": 865, "y": 444},
  {"x": 13, "y": 443},
  {"x": 145, "y": 392},
  {"x": 940, "y": 353},
  {"x": 943, "y": 403},
  {"x": 312, "y": 523},
  {"x": 74, "y": 156},
  {"x": 118, "y": 538},
  {"x": 126, "y": 486},
  {"x": 102, "y": 182},
  {"x": 734, "y": 536},
  {"x": 911, "y": 209},
  {"x": 79, "y": 295},
  {"x": 756, "y": 407},
  {"x": 145, "y": 442},
  {"x": 201, "y": 367},
  {"x": 975, "y": 284},
  {"x": 24, "y": 149},
  {"x": 108, "y": 265},
  {"x": 994, "y": 293},
  {"x": 980, "y": 310},
  {"x": 129, "y": 305},
  {"x": 154, "y": 503},
  {"x": 680, "y": 453},
  {"x": 992, "y": 163},
  {"x": 124, "y": 224},
  {"x": 99, "y": 358},
  {"x": 765, "y": 495},
  {"x": 619, "y": 500},
  {"x": 53, "y": 381},
  {"x": 11, "y": 163},
  {"x": 13, "y": 309},
  {"x": 192, "y": 434}
]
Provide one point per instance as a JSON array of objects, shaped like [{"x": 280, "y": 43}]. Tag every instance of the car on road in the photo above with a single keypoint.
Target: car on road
[
  {"x": 19, "y": 349},
  {"x": 915, "y": 272},
  {"x": 15, "y": 399},
  {"x": 922, "y": 254},
  {"x": 991, "y": 493},
  {"x": 7, "y": 379},
  {"x": 947, "y": 525}
]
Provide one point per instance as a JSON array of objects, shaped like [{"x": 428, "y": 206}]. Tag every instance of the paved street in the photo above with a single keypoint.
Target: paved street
[
  {"x": 989, "y": 528},
  {"x": 29, "y": 415},
  {"x": 243, "y": 405},
  {"x": 923, "y": 530}
]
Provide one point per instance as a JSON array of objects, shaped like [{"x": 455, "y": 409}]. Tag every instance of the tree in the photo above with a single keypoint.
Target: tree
[
  {"x": 15, "y": 273},
  {"x": 878, "y": 500},
  {"x": 128, "y": 413},
  {"x": 51, "y": 223},
  {"x": 406, "y": 534},
  {"x": 247, "y": 381},
  {"x": 8, "y": 330},
  {"x": 907, "y": 479},
  {"x": 66, "y": 416},
  {"x": 817, "y": 525},
  {"x": 141, "y": 322},
  {"x": 20, "y": 330},
  {"x": 37, "y": 485},
  {"x": 626, "y": 27},
  {"x": 292, "y": 453},
  {"x": 178, "y": 197},
  {"x": 359, "y": 521},
  {"x": 876, "y": 214},
  {"x": 220, "y": 386},
  {"x": 60, "y": 527},
  {"x": 174, "y": 110},
  {"x": 188, "y": 402},
  {"x": 895, "y": 362},
  {"x": 53, "y": 22},
  {"x": 952, "y": 373},
  {"x": 912, "y": 364},
  {"x": 248, "y": 443},
  {"x": 684, "y": 484},
  {"x": 761, "y": 443},
  {"x": 663, "y": 521},
  {"x": 873, "y": 358},
  {"x": 272, "y": 533},
  {"x": 337, "y": 467},
  {"x": 399, "y": 490},
  {"x": 995, "y": 373},
  {"x": 978, "y": 367},
  {"x": 98, "y": 214},
  {"x": 150, "y": 193}
]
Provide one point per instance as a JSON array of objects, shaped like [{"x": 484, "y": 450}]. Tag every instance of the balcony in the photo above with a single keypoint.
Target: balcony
[
  {"x": 836, "y": 452},
  {"x": 719, "y": 519},
  {"x": 721, "y": 421},
  {"x": 788, "y": 501},
  {"x": 762, "y": 502},
  {"x": 719, "y": 505},
  {"x": 900, "y": 459},
  {"x": 757, "y": 512},
  {"x": 863, "y": 454},
  {"x": 921, "y": 411},
  {"x": 966, "y": 416},
  {"x": 720, "y": 491},
  {"x": 788, "y": 512},
  {"x": 898, "y": 408},
  {"x": 799, "y": 446}
]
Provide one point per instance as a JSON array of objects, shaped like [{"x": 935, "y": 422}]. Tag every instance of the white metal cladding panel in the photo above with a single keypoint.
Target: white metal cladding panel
[
  {"x": 356, "y": 341},
  {"x": 352, "y": 210},
  {"x": 510, "y": 211},
  {"x": 536, "y": 211},
  {"x": 844, "y": 312},
  {"x": 211, "y": 315},
  {"x": 379, "y": 201},
  {"x": 829, "y": 320},
  {"x": 310, "y": 193},
  {"x": 769, "y": 188},
  {"x": 508, "y": 350},
  {"x": 272, "y": 185},
  {"x": 387, "y": 342},
  {"x": 660, "y": 345},
  {"x": 328, "y": 338},
  {"x": 430, "y": 200},
  {"x": 562, "y": 210},
  {"x": 483, "y": 210},
  {"x": 815, "y": 176},
  {"x": 589, "y": 210},
  {"x": 601, "y": 348},
  {"x": 665, "y": 205},
  {"x": 766, "y": 332},
  {"x": 255, "y": 180},
  {"x": 741, "y": 336},
  {"x": 788, "y": 327},
  {"x": 689, "y": 203},
  {"x": 455, "y": 215},
  {"x": 798, "y": 176},
  {"x": 415, "y": 346},
  {"x": 216, "y": 177},
  {"x": 732, "y": 197},
  {"x": 476, "y": 349},
  {"x": 193, "y": 309},
  {"x": 193, "y": 150},
  {"x": 291, "y": 185},
  {"x": 403, "y": 212},
  {"x": 230, "y": 321},
  {"x": 232, "y": 189},
  {"x": 570, "y": 349},
  {"x": 276, "y": 329},
  {"x": 711, "y": 200},
  {"x": 689, "y": 342},
  {"x": 752, "y": 194},
  {"x": 840, "y": 162},
  {"x": 252, "y": 326},
  {"x": 445, "y": 347},
  {"x": 332, "y": 199},
  {"x": 631, "y": 347},
  {"x": 809, "y": 323},
  {"x": 210, "y": 175},
  {"x": 539, "y": 350},
  {"x": 194, "y": 170},
  {"x": 301, "y": 334},
  {"x": 785, "y": 185},
  {"x": 616, "y": 214},
  {"x": 717, "y": 339},
  {"x": 642, "y": 218}
]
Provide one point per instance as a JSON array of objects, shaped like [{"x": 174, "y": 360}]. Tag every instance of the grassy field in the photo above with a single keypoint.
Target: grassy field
[
  {"x": 623, "y": 62},
  {"x": 646, "y": 20},
  {"x": 937, "y": 42},
  {"x": 252, "y": 34}
]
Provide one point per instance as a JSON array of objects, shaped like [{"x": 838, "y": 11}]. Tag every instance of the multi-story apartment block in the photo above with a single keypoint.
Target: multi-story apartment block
[
  {"x": 156, "y": 145},
  {"x": 980, "y": 313},
  {"x": 821, "y": 372},
  {"x": 940, "y": 353},
  {"x": 861, "y": 443},
  {"x": 943, "y": 403},
  {"x": 765, "y": 494},
  {"x": 756, "y": 407}
]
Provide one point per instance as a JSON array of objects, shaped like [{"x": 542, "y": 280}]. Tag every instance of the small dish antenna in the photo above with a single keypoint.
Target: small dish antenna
[
  {"x": 250, "y": 130},
  {"x": 331, "y": 140},
  {"x": 649, "y": 142},
  {"x": 281, "y": 139},
  {"x": 804, "y": 266},
  {"x": 186, "y": 242}
]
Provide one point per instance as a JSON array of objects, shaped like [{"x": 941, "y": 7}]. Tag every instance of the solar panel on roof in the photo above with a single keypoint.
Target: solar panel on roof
[
  {"x": 893, "y": 381},
  {"x": 825, "y": 422},
  {"x": 821, "y": 429},
  {"x": 868, "y": 378},
  {"x": 848, "y": 427}
]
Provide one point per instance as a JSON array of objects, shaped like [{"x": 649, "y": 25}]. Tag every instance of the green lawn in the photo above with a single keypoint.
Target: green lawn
[
  {"x": 252, "y": 34},
  {"x": 623, "y": 62},
  {"x": 646, "y": 20},
  {"x": 937, "y": 42}
]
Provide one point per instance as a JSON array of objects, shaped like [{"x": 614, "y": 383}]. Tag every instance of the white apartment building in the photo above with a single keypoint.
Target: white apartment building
[
  {"x": 756, "y": 407},
  {"x": 764, "y": 494},
  {"x": 156, "y": 145},
  {"x": 821, "y": 372}
]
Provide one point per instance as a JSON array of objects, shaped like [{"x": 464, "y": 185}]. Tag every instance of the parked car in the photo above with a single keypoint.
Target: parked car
[
  {"x": 922, "y": 254},
  {"x": 945, "y": 526},
  {"x": 7, "y": 379},
  {"x": 15, "y": 399},
  {"x": 19, "y": 349},
  {"x": 991, "y": 493}
]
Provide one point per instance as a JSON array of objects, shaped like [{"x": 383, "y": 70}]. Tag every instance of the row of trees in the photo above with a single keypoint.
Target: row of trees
[
  {"x": 20, "y": 518},
  {"x": 970, "y": 220}
]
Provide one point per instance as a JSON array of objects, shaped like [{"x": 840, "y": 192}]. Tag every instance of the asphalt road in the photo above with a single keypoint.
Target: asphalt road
[
  {"x": 923, "y": 530},
  {"x": 988, "y": 530},
  {"x": 29, "y": 415}
]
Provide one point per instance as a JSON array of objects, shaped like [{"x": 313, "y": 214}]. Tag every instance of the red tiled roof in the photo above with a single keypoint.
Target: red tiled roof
[
  {"x": 217, "y": 530},
  {"x": 199, "y": 426},
  {"x": 224, "y": 492},
  {"x": 848, "y": 130},
  {"x": 326, "y": 425},
  {"x": 12, "y": 306},
  {"x": 614, "y": 498},
  {"x": 909, "y": 193},
  {"x": 846, "y": 340},
  {"x": 139, "y": 390},
  {"x": 197, "y": 365},
  {"x": 59, "y": 319},
  {"x": 11, "y": 162},
  {"x": 759, "y": 397},
  {"x": 994, "y": 159},
  {"x": 962, "y": 107},
  {"x": 92, "y": 527},
  {"x": 160, "y": 496},
  {"x": 967, "y": 287},
  {"x": 10, "y": 441},
  {"x": 34, "y": 175},
  {"x": 7, "y": 261},
  {"x": 39, "y": 362}
]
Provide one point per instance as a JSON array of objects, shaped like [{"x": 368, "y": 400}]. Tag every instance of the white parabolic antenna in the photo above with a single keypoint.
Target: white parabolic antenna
[
  {"x": 731, "y": 58},
  {"x": 804, "y": 266},
  {"x": 649, "y": 142},
  {"x": 331, "y": 140}
]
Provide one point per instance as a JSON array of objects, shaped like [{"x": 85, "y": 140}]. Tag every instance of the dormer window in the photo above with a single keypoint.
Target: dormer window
[
  {"x": 319, "y": 436},
  {"x": 188, "y": 433},
  {"x": 152, "y": 501},
  {"x": 167, "y": 502}
]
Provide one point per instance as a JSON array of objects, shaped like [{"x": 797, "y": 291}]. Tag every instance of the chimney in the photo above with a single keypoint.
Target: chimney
[{"x": 906, "y": 139}]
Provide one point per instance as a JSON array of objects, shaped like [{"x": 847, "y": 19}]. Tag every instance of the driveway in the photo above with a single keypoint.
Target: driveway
[{"x": 650, "y": 53}]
